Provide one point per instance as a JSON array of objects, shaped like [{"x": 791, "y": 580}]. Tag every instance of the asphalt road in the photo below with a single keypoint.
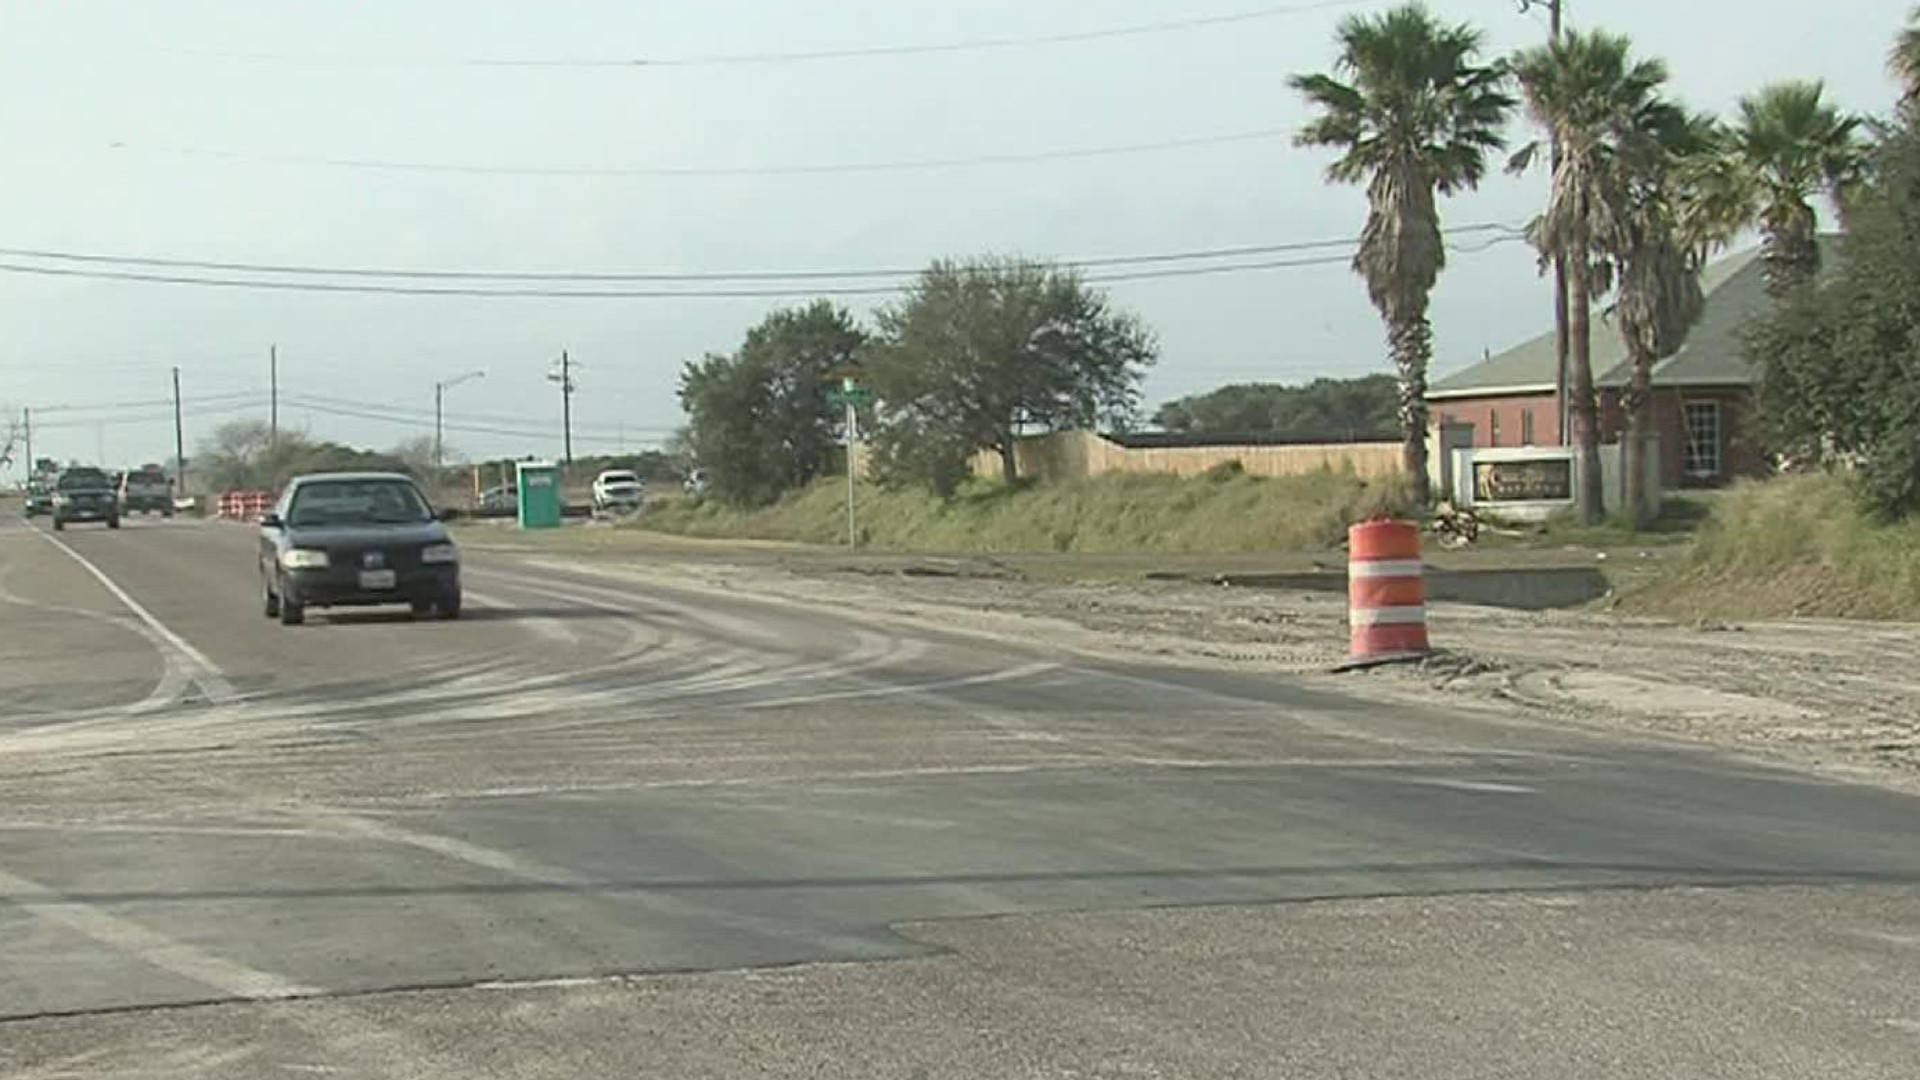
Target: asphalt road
[{"x": 603, "y": 828}]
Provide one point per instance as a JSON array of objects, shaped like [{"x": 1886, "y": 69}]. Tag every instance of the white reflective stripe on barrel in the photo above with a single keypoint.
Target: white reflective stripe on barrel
[
  {"x": 1386, "y": 616},
  {"x": 1385, "y": 568}
]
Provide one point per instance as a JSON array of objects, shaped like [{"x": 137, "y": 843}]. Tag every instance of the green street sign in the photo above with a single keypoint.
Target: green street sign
[{"x": 854, "y": 395}]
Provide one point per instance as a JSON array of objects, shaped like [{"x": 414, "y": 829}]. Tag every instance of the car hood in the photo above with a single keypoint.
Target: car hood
[{"x": 426, "y": 532}]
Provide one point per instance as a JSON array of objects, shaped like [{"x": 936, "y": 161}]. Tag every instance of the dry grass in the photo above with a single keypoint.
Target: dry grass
[
  {"x": 1222, "y": 512},
  {"x": 1796, "y": 546}
]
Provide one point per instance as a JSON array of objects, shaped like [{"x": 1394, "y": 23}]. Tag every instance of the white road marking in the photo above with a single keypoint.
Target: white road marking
[
  {"x": 147, "y": 945},
  {"x": 174, "y": 678},
  {"x": 1483, "y": 786},
  {"x": 904, "y": 690},
  {"x": 203, "y": 671}
]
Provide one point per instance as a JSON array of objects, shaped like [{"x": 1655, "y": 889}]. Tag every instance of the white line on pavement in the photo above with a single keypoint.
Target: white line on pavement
[
  {"x": 146, "y": 944},
  {"x": 204, "y": 672},
  {"x": 1482, "y": 786}
]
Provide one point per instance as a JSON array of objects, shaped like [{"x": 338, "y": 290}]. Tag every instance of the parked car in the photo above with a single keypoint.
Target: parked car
[
  {"x": 84, "y": 493},
  {"x": 146, "y": 490},
  {"x": 695, "y": 483},
  {"x": 618, "y": 490},
  {"x": 499, "y": 498},
  {"x": 355, "y": 540},
  {"x": 39, "y": 498}
]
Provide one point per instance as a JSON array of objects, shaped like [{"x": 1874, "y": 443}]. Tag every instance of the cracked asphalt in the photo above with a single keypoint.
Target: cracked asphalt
[{"x": 616, "y": 827}]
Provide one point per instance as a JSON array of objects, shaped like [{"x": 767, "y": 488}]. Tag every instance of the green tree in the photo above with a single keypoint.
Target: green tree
[
  {"x": 979, "y": 352},
  {"x": 1324, "y": 410},
  {"x": 1788, "y": 148},
  {"x": 1657, "y": 262},
  {"x": 1904, "y": 61},
  {"x": 1602, "y": 108},
  {"x": 760, "y": 422},
  {"x": 1414, "y": 115},
  {"x": 1840, "y": 363}
]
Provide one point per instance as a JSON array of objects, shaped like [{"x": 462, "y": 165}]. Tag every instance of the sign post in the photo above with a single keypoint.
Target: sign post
[{"x": 851, "y": 395}]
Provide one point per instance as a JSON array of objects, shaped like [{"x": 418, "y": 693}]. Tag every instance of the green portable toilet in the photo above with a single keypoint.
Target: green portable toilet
[{"x": 537, "y": 483}]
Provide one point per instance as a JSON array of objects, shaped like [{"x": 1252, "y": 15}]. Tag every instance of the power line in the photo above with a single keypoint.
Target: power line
[
  {"x": 101, "y": 268},
  {"x": 711, "y": 171},
  {"x": 306, "y": 270},
  {"x": 150, "y": 403},
  {"x": 331, "y": 407},
  {"x": 797, "y": 56},
  {"x": 419, "y": 416}
]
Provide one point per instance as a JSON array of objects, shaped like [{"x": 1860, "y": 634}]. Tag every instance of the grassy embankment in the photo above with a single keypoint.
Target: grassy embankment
[
  {"x": 1792, "y": 546},
  {"x": 1222, "y": 512}
]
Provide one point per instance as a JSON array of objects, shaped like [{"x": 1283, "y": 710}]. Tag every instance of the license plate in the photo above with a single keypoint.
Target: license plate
[{"x": 376, "y": 579}]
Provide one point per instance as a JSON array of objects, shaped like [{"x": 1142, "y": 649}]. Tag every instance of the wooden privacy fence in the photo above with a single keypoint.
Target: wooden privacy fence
[{"x": 1072, "y": 455}]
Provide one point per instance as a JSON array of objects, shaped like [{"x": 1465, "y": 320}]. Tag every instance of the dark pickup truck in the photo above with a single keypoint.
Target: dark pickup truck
[{"x": 147, "y": 490}]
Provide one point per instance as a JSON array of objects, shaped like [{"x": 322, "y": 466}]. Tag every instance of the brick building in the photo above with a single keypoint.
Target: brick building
[{"x": 1702, "y": 395}]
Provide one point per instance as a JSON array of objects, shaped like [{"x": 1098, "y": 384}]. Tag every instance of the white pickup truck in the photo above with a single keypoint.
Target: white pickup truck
[{"x": 618, "y": 491}]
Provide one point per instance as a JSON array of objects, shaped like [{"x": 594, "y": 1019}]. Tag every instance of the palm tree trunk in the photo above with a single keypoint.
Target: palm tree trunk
[
  {"x": 1639, "y": 409},
  {"x": 1410, "y": 338},
  {"x": 1791, "y": 258},
  {"x": 1588, "y": 500}
]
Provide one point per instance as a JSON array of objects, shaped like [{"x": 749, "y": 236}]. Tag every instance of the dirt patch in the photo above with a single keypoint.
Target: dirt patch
[{"x": 1840, "y": 695}]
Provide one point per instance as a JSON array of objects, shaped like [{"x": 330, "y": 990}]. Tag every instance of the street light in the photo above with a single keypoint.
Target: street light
[{"x": 439, "y": 391}]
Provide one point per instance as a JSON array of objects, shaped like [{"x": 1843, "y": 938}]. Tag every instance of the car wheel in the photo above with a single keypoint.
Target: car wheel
[
  {"x": 449, "y": 605},
  {"x": 292, "y": 612},
  {"x": 272, "y": 602}
]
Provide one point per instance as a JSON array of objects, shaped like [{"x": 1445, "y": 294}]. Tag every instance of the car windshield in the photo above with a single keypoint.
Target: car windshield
[
  {"x": 83, "y": 480},
  {"x": 357, "y": 502},
  {"x": 619, "y": 478}
]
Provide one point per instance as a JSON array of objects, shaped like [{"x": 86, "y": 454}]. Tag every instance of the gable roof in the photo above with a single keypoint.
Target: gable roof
[{"x": 1713, "y": 355}]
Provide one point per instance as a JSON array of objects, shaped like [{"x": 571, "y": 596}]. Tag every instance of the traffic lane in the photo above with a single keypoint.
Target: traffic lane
[
  {"x": 66, "y": 645},
  {"x": 200, "y": 580},
  {"x": 448, "y": 891},
  {"x": 1620, "y": 985}
]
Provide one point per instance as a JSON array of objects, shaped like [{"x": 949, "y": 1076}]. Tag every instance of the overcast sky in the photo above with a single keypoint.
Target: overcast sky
[{"x": 163, "y": 130}]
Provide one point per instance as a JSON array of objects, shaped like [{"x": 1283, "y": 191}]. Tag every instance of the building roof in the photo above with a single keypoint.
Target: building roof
[{"x": 1713, "y": 355}]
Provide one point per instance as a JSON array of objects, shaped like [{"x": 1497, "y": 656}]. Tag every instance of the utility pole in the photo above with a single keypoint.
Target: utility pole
[
  {"x": 179, "y": 443},
  {"x": 853, "y": 437},
  {"x": 1560, "y": 299},
  {"x": 439, "y": 394},
  {"x": 564, "y": 377},
  {"x": 26, "y": 431},
  {"x": 273, "y": 394}
]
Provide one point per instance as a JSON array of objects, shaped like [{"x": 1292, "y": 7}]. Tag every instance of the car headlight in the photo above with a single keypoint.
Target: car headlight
[
  {"x": 439, "y": 553},
  {"x": 304, "y": 559}
]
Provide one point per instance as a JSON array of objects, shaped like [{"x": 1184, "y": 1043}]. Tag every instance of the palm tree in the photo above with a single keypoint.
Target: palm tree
[
  {"x": 1659, "y": 252},
  {"x": 1788, "y": 147},
  {"x": 1414, "y": 115},
  {"x": 1904, "y": 61},
  {"x": 1604, "y": 110}
]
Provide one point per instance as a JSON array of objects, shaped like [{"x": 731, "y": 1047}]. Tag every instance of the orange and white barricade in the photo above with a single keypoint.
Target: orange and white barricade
[{"x": 1386, "y": 592}]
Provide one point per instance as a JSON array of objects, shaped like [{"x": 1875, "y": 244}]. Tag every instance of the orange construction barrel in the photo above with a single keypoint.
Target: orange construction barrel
[{"x": 1386, "y": 594}]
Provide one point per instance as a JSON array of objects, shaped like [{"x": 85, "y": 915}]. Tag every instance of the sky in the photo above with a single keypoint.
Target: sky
[{"x": 201, "y": 130}]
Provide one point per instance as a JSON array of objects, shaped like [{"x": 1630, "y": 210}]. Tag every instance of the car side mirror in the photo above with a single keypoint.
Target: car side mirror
[{"x": 270, "y": 520}]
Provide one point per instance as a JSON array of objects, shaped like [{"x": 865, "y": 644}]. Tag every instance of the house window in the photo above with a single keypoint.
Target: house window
[
  {"x": 1493, "y": 427},
  {"x": 1703, "y": 438},
  {"x": 1526, "y": 427}
]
